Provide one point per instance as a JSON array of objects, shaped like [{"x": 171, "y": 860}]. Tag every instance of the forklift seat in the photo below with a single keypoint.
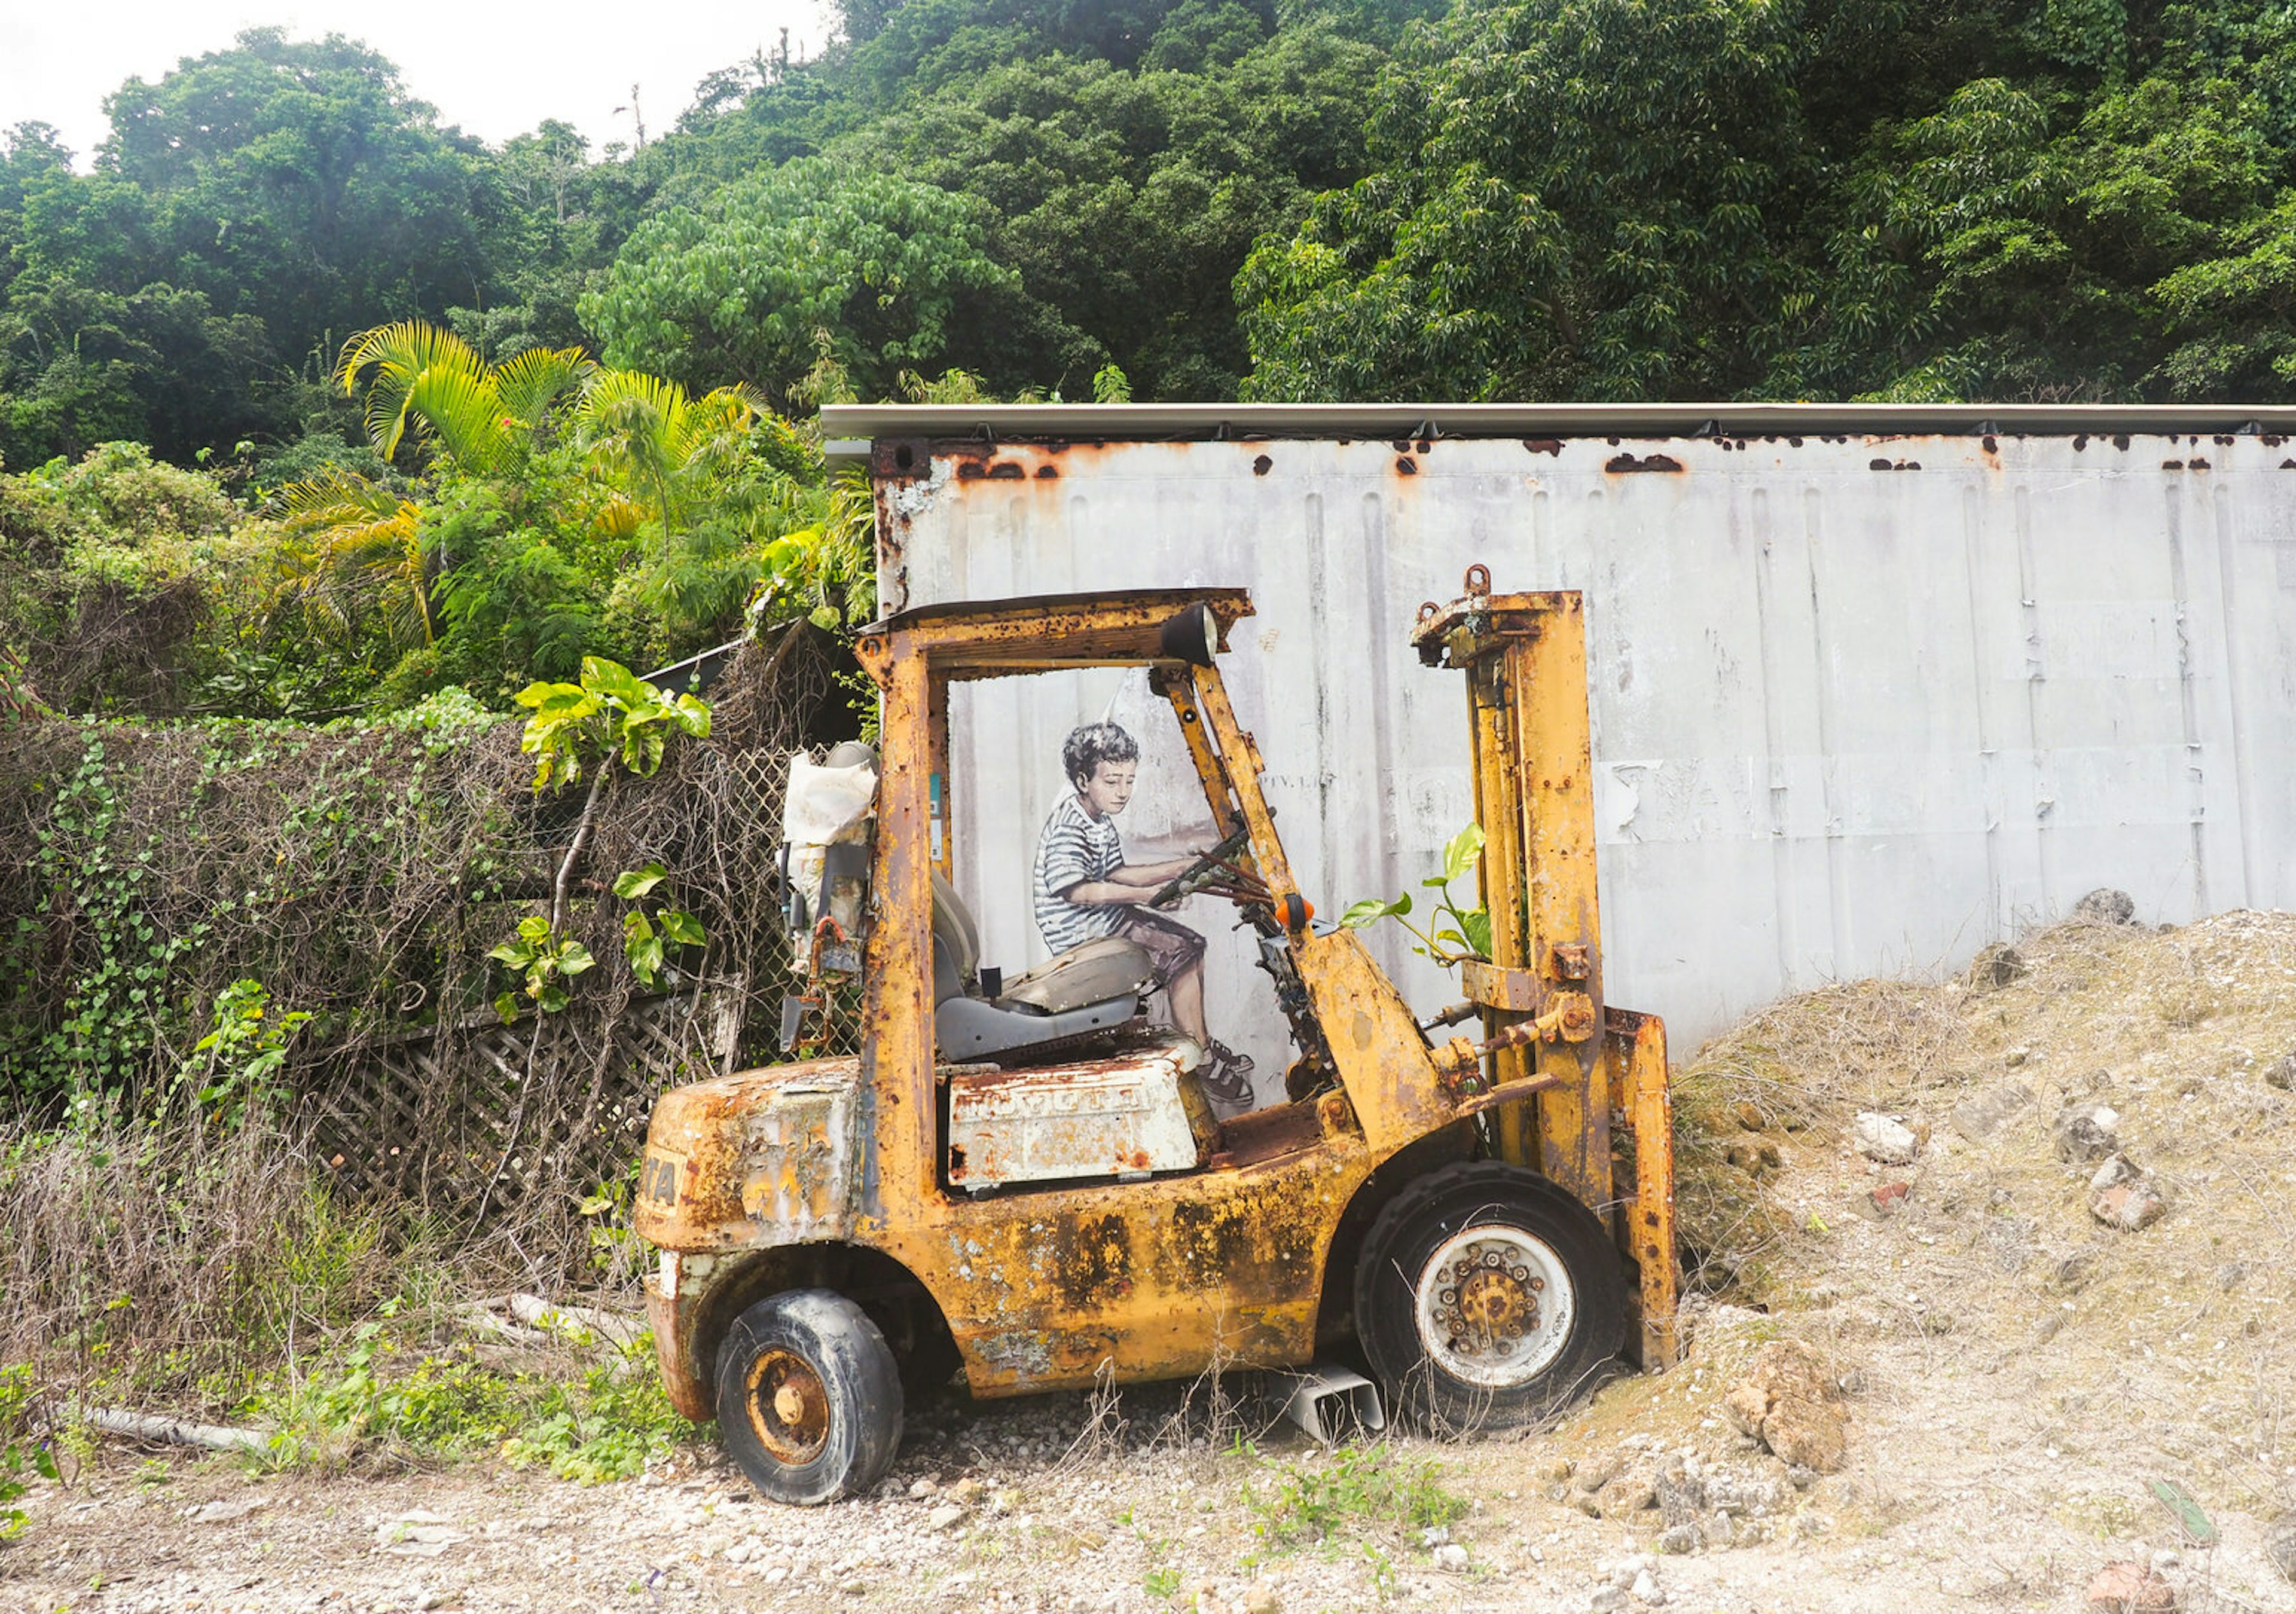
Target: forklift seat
[{"x": 1095, "y": 986}]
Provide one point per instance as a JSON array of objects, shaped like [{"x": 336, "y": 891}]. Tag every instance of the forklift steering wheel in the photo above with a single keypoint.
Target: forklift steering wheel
[{"x": 1186, "y": 883}]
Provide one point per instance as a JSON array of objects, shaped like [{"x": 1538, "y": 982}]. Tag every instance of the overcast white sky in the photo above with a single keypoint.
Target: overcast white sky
[{"x": 496, "y": 67}]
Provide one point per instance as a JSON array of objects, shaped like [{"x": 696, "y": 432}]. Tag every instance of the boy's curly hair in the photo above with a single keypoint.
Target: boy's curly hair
[{"x": 1087, "y": 748}]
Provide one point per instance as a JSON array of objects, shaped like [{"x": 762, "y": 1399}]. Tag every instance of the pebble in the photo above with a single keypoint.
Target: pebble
[
  {"x": 946, "y": 1514},
  {"x": 1259, "y": 1598},
  {"x": 1646, "y": 1589},
  {"x": 1451, "y": 1558}
]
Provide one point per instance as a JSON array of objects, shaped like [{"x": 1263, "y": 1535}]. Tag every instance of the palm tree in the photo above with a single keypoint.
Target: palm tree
[
  {"x": 665, "y": 449},
  {"x": 434, "y": 381}
]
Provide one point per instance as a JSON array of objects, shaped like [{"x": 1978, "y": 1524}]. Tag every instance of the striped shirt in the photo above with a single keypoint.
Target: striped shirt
[{"x": 1074, "y": 848}]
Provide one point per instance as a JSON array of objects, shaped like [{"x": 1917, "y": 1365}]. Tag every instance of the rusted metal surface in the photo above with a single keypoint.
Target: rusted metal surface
[
  {"x": 1127, "y": 1116},
  {"x": 1635, "y": 1055}
]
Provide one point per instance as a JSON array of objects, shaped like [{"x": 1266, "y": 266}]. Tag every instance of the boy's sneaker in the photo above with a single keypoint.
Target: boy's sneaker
[{"x": 1227, "y": 1076}]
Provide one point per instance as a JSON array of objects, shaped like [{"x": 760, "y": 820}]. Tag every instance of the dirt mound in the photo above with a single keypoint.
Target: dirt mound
[{"x": 2068, "y": 1314}]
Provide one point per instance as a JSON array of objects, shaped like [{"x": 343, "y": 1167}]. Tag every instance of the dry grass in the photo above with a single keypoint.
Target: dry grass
[{"x": 166, "y": 1262}]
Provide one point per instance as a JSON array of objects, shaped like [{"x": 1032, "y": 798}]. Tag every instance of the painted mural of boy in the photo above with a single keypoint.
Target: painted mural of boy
[{"x": 1085, "y": 890}]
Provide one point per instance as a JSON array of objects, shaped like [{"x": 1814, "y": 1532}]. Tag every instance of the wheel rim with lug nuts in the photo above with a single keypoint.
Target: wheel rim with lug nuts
[
  {"x": 1494, "y": 1306},
  {"x": 788, "y": 1406}
]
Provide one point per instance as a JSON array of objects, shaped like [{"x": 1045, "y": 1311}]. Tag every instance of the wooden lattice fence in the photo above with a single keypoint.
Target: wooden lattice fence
[{"x": 474, "y": 1110}]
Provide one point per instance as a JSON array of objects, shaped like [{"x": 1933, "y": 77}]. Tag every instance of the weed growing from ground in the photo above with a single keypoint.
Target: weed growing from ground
[
  {"x": 376, "y": 1399},
  {"x": 1352, "y": 1490}
]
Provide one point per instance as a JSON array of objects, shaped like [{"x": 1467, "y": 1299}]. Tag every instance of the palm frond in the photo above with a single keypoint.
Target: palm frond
[
  {"x": 351, "y": 548},
  {"x": 463, "y": 409},
  {"x": 398, "y": 353},
  {"x": 536, "y": 378}
]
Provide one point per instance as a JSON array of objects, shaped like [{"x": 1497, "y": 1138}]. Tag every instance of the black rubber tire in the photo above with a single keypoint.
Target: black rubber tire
[
  {"x": 1409, "y": 1231},
  {"x": 854, "y": 1375}
]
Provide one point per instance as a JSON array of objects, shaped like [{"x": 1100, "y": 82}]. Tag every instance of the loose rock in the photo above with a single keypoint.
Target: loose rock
[
  {"x": 2105, "y": 906},
  {"x": 2123, "y": 1196},
  {"x": 1995, "y": 967},
  {"x": 1885, "y": 1139},
  {"x": 1978, "y": 1119},
  {"x": 2130, "y": 1588},
  {"x": 2280, "y": 1544},
  {"x": 1259, "y": 1599},
  {"x": 2084, "y": 1130},
  {"x": 1451, "y": 1558},
  {"x": 2281, "y": 1072},
  {"x": 1889, "y": 1198},
  {"x": 1787, "y": 1404},
  {"x": 946, "y": 1514}
]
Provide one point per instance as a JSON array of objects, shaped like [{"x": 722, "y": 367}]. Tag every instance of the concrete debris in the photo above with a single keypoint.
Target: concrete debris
[
  {"x": 1885, "y": 1139},
  {"x": 2122, "y": 1194},
  {"x": 1978, "y": 1119},
  {"x": 1787, "y": 1403},
  {"x": 2130, "y": 1588},
  {"x": 2085, "y": 1131},
  {"x": 1995, "y": 967},
  {"x": 2106, "y": 906}
]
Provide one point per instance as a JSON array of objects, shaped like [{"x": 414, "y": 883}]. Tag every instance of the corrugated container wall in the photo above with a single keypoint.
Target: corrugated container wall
[{"x": 1860, "y": 703}]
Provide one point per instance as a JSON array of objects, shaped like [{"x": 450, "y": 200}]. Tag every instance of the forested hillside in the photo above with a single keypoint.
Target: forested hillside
[{"x": 1152, "y": 199}]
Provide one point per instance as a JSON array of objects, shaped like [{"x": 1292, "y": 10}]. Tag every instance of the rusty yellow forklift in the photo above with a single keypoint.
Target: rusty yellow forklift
[{"x": 1021, "y": 1180}]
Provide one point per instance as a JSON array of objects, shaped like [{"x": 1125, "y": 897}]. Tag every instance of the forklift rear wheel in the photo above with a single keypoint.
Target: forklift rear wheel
[
  {"x": 1487, "y": 1296},
  {"x": 809, "y": 1396}
]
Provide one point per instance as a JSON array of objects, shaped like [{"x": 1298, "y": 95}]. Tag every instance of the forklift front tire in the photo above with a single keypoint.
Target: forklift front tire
[
  {"x": 1486, "y": 1296},
  {"x": 809, "y": 1397}
]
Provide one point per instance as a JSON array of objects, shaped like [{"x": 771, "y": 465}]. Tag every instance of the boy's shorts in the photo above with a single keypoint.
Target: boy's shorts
[{"x": 1171, "y": 947}]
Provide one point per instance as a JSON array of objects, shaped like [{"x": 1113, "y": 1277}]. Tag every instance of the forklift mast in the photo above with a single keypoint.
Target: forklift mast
[{"x": 1602, "y": 1097}]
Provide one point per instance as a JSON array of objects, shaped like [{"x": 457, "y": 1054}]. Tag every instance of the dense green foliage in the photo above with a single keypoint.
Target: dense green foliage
[
  {"x": 1281, "y": 198},
  {"x": 463, "y": 415}
]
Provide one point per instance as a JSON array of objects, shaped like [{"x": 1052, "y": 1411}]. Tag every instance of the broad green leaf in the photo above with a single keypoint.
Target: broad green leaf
[
  {"x": 638, "y": 882},
  {"x": 1371, "y": 910},
  {"x": 573, "y": 958},
  {"x": 506, "y": 1005},
  {"x": 517, "y": 954},
  {"x": 1459, "y": 855},
  {"x": 635, "y": 926},
  {"x": 534, "y": 927},
  {"x": 1477, "y": 923},
  {"x": 616, "y": 682},
  {"x": 681, "y": 927},
  {"x": 551, "y": 999}
]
